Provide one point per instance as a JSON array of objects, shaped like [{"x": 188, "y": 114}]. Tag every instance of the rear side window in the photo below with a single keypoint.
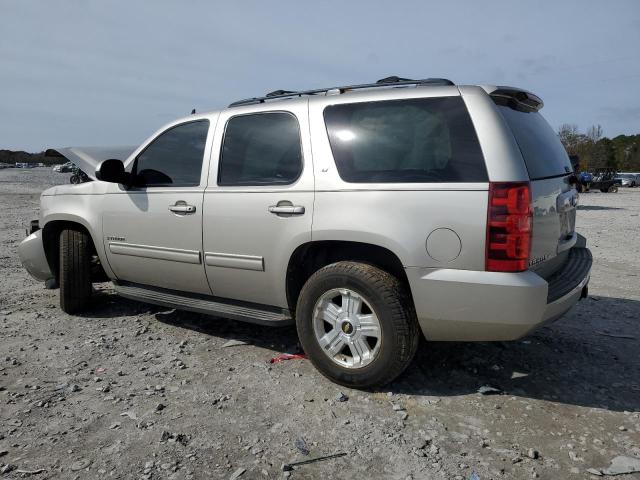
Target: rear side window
[
  {"x": 541, "y": 148},
  {"x": 174, "y": 158},
  {"x": 261, "y": 149},
  {"x": 416, "y": 140}
]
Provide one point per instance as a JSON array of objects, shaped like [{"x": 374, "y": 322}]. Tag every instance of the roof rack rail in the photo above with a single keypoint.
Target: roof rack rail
[{"x": 392, "y": 81}]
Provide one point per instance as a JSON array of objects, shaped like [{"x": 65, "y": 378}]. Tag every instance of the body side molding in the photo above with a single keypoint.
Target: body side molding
[
  {"x": 231, "y": 260},
  {"x": 159, "y": 253}
]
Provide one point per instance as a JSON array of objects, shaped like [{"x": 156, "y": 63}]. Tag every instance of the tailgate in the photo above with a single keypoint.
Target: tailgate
[
  {"x": 554, "y": 220},
  {"x": 554, "y": 199}
]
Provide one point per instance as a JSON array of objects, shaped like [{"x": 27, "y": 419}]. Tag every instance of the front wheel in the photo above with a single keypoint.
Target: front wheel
[
  {"x": 75, "y": 271},
  {"x": 357, "y": 325},
  {"x": 613, "y": 189}
]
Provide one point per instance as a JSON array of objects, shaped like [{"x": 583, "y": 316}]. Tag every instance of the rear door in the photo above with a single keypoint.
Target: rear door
[
  {"x": 554, "y": 199},
  {"x": 258, "y": 205}
]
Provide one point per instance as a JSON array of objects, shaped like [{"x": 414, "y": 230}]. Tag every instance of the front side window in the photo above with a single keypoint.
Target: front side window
[
  {"x": 174, "y": 158},
  {"x": 261, "y": 149},
  {"x": 415, "y": 140}
]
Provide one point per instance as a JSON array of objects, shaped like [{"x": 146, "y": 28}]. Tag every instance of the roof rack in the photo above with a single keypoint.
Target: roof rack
[{"x": 392, "y": 81}]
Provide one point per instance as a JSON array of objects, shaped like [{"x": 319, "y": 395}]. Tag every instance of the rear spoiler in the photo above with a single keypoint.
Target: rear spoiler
[
  {"x": 515, "y": 98},
  {"x": 87, "y": 159}
]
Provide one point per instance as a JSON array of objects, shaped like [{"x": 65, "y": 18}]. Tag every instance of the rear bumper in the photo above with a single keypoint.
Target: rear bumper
[
  {"x": 464, "y": 305},
  {"x": 33, "y": 258}
]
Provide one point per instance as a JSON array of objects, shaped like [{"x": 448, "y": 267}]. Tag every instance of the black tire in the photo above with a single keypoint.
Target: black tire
[
  {"x": 75, "y": 271},
  {"x": 393, "y": 306},
  {"x": 613, "y": 189}
]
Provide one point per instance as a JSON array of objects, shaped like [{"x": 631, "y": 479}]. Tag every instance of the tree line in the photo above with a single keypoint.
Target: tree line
[
  {"x": 10, "y": 156},
  {"x": 621, "y": 153}
]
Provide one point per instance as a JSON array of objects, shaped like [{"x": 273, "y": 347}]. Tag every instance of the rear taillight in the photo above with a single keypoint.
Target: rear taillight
[{"x": 508, "y": 227}]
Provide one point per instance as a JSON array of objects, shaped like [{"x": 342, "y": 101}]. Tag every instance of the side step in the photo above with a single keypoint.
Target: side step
[{"x": 242, "y": 311}]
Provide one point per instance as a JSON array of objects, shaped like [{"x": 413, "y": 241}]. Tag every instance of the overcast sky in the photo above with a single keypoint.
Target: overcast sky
[{"x": 95, "y": 72}]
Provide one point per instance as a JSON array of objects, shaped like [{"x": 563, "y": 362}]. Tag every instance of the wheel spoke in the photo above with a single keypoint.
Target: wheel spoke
[
  {"x": 369, "y": 326},
  {"x": 352, "y": 304},
  {"x": 332, "y": 342},
  {"x": 360, "y": 351},
  {"x": 330, "y": 313}
]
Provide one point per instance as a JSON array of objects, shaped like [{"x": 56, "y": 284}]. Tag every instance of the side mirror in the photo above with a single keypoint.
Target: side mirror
[{"x": 112, "y": 171}]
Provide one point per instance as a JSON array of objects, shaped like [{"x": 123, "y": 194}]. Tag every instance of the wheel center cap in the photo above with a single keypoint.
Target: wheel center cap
[{"x": 347, "y": 328}]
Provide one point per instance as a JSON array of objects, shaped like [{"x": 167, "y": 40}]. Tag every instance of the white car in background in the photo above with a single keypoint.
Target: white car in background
[{"x": 629, "y": 179}]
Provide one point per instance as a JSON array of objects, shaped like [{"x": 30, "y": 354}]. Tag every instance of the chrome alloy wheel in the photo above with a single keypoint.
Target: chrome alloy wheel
[{"x": 347, "y": 328}]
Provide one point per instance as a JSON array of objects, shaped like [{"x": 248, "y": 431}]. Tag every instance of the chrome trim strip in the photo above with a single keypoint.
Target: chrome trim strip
[
  {"x": 362, "y": 187},
  {"x": 231, "y": 260},
  {"x": 157, "y": 253}
]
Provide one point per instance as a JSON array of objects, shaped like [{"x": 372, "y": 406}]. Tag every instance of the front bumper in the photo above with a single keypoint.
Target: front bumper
[
  {"x": 464, "y": 305},
  {"x": 33, "y": 258}
]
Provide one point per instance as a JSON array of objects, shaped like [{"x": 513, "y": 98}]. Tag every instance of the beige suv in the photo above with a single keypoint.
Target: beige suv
[{"x": 368, "y": 214}]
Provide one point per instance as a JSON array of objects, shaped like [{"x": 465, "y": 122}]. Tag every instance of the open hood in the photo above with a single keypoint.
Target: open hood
[{"x": 87, "y": 159}]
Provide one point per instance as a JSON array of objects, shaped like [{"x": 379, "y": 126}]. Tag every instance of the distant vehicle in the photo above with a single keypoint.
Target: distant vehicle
[
  {"x": 63, "y": 168},
  {"x": 584, "y": 182},
  {"x": 422, "y": 207},
  {"x": 604, "y": 179},
  {"x": 78, "y": 176},
  {"x": 6, "y": 165},
  {"x": 25, "y": 165},
  {"x": 628, "y": 179}
]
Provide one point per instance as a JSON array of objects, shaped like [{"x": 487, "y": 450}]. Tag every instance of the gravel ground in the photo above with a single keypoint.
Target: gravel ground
[{"x": 136, "y": 391}]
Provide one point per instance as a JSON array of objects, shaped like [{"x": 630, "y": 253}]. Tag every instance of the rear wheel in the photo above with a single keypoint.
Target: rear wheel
[
  {"x": 613, "y": 189},
  {"x": 357, "y": 324},
  {"x": 75, "y": 271}
]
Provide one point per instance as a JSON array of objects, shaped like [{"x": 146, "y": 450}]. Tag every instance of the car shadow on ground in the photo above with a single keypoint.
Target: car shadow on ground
[
  {"x": 597, "y": 207},
  {"x": 588, "y": 358}
]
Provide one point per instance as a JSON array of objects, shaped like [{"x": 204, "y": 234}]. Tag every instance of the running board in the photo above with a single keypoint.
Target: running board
[{"x": 244, "y": 312}]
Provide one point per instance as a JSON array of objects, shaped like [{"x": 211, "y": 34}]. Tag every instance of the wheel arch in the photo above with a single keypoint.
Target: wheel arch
[
  {"x": 51, "y": 239},
  {"x": 312, "y": 256}
]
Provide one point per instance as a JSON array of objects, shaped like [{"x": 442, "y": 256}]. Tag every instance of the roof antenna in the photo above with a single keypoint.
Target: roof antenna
[{"x": 193, "y": 112}]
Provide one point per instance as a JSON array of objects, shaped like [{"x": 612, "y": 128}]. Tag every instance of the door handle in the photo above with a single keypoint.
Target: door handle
[
  {"x": 286, "y": 209},
  {"x": 182, "y": 207}
]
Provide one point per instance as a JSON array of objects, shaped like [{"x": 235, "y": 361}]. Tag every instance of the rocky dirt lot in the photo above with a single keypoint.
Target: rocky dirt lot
[{"x": 136, "y": 391}]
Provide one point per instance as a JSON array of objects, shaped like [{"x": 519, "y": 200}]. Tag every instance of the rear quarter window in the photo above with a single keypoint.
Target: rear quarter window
[
  {"x": 415, "y": 140},
  {"x": 541, "y": 148}
]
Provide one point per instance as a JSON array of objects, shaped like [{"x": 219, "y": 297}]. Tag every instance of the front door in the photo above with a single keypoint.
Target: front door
[
  {"x": 258, "y": 205},
  {"x": 153, "y": 231}
]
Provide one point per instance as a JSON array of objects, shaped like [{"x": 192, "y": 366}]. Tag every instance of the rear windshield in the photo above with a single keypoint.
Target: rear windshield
[
  {"x": 541, "y": 149},
  {"x": 416, "y": 140}
]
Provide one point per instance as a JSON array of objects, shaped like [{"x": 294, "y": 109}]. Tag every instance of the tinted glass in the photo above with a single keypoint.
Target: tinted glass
[
  {"x": 417, "y": 140},
  {"x": 174, "y": 158},
  {"x": 261, "y": 149},
  {"x": 541, "y": 148}
]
